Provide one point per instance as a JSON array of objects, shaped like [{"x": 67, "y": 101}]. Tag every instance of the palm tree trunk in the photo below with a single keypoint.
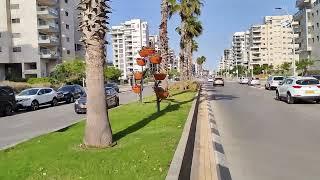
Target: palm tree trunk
[
  {"x": 164, "y": 39},
  {"x": 98, "y": 131},
  {"x": 93, "y": 16},
  {"x": 183, "y": 70},
  {"x": 189, "y": 56}
]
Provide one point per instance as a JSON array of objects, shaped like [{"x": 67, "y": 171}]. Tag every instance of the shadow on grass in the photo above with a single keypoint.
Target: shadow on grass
[{"x": 137, "y": 126}]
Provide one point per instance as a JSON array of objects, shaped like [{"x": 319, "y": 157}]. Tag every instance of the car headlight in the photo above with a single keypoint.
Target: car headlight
[{"x": 26, "y": 99}]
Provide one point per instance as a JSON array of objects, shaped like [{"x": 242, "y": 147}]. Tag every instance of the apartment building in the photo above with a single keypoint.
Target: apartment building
[
  {"x": 272, "y": 42},
  {"x": 154, "y": 42},
  {"x": 173, "y": 61},
  {"x": 308, "y": 30},
  {"x": 127, "y": 40},
  {"x": 240, "y": 44},
  {"x": 228, "y": 58},
  {"x": 35, "y": 35}
]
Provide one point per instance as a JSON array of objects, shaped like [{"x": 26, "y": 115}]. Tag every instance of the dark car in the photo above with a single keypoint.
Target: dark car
[
  {"x": 69, "y": 93},
  {"x": 112, "y": 100},
  {"x": 7, "y": 100},
  {"x": 114, "y": 86}
]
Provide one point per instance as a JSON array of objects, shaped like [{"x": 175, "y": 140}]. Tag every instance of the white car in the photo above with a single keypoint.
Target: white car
[
  {"x": 273, "y": 82},
  {"x": 34, "y": 97},
  {"x": 244, "y": 80},
  {"x": 299, "y": 88},
  {"x": 210, "y": 79},
  {"x": 254, "y": 82}
]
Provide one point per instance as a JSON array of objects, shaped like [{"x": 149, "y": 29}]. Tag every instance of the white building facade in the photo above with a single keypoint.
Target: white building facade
[
  {"x": 35, "y": 35},
  {"x": 240, "y": 43},
  {"x": 127, "y": 40}
]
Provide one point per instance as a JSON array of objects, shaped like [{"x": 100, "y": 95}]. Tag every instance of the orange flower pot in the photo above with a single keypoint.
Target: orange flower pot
[
  {"x": 141, "y": 62},
  {"x": 145, "y": 52},
  {"x": 138, "y": 75},
  {"x": 159, "y": 76},
  {"x": 156, "y": 59},
  {"x": 161, "y": 93},
  {"x": 136, "y": 89}
]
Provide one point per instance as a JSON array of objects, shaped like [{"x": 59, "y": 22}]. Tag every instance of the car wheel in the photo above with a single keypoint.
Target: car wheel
[
  {"x": 290, "y": 99},
  {"x": 117, "y": 102},
  {"x": 318, "y": 101},
  {"x": 34, "y": 105},
  {"x": 8, "y": 110},
  {"x": 54, "y": 102}
]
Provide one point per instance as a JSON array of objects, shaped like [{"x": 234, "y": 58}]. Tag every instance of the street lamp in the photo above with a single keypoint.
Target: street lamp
[{"x": 293, "y": 40}]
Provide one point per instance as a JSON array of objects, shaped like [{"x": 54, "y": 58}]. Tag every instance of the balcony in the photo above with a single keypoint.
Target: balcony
[
  {"x": 46, "y": 12},
  {"x": 47, "y": 27},
  {"x": 47, "y": 40},
  {"x": 49, "y": 54},
  {"x": 47, "y": 2},
  {"x": 303, "y": 3}
]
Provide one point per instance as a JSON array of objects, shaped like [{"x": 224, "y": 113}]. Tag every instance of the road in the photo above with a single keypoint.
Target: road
[
  {"x": 25, "y": 125},
  {"x": 265, "y": 139}
]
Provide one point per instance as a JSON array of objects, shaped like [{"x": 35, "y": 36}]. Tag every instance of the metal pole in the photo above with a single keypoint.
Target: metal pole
[{"x": 141, "y": 86}]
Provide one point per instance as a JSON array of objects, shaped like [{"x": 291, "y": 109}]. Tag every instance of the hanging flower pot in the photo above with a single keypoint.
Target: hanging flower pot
[
  {"x": 136, "y": 89},
  {"x": 145, "y": 52},
  {"x": 156, "y": 59},
  {"x": 159, "y": 76},
  {"x": 138, "y": 75},
  {"x": 141, "y": 62},
  {"x": 161, "y": 93}
]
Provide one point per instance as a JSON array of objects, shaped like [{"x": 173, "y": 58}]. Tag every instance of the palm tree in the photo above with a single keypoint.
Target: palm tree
[
  {"x": 200, "y": 61},
  {"x": 304, "y": 64},
  {"x": 93, "y": 24},
  {"x": 164, "y": 39},
  {"x": 186, "y": 9}
]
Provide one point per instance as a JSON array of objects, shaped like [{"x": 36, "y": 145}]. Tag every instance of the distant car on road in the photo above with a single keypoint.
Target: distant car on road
[
  {"x": 210, "y": 79},
  {"x": 299, "y": 88},
  {"x": 273, "y": 82},
  {"x": 7, "y": 100},
  {"x": 254, "y": 81},
  {"x": 244, "y": 80},
  {"x": 114, "y": 86},
  {"x": 112, "y": 100},
  {"x": 218, "y": 81},
  {"x": 34, "y": 97},
  {"x": 69, "y": 93}
]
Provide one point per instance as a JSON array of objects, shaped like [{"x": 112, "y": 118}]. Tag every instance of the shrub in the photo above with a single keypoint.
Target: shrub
[
  {"x": 39, "y": 80},
  {"x": 185, "y": 85}
]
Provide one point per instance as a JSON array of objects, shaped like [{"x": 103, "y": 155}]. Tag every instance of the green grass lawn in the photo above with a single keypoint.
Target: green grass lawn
[{"x": 146, "y": 142}]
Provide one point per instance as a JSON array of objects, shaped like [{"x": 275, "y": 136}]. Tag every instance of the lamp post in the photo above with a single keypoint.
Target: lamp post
[{"x": 293, "y": 40}]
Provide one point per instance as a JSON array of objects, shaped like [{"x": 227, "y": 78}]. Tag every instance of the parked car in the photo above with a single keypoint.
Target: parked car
[
  {"x": 34, "y": 97},
  {"x": 273, "y": 82},
  {"x": 299, "y": 88},
  {"x": 244, "y": 80},
  {"x": 7, "y": 100},
  {"x": 114, "y": 86},
  {"x": 254, "y": 81},
  {"x": 218, "y": 81},
  {"x": 210, "y": 79},
  {"x": 69, "y": 93},
  {"x": 315, "y": 76},
  {"x": 112, "y": 100}
]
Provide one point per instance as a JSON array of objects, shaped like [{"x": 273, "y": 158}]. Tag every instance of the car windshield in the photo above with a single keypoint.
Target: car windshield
[
  {"x": 308, "y": 82},
  {"x": 28, "y": 92},
  {"x": 278, "y": 78},
  {"x": 218, "y": 78},
  {"x": 66, "y": 88},
  {"x": 318, "y": 77}
]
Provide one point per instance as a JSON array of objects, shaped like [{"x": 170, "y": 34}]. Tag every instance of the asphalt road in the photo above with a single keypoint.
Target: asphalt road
[
  {"x": 265, "y": 139},
  {"x": 25, "y": 125}
]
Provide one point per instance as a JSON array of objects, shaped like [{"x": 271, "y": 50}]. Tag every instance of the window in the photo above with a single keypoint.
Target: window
[
  {"x": 16, "y": 20},
  {"x": 313, "y": 40},
  {"x": 317, "y": 24},
  {"x": 67, "y": 26},
  {"x": 16, "y": 35},
  {"x": 33, "y": 65},
  {"x": 68, "y": 39},
  {"x": 16, "y": 49},
  {"x": 317, "y": 12},
  {"x": 48, "y": 91},
  {"x": 68, "y": 51},
  {"x": 66, "y": 13},
  {"x": 318, "y": 38},
  {"x": 14, "y": 6},
  {"x": 0, "y": 49},
  {"x": 66, "y": 1}
]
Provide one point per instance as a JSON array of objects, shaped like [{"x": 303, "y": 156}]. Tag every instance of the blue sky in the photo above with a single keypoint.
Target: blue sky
[{"x": 221, "y": 18}]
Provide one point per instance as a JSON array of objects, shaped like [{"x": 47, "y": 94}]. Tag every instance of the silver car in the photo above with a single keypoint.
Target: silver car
[{"x": 273, "y": 82}]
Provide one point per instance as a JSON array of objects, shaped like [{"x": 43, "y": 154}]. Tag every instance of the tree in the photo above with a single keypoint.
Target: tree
[
  {"x": 112, "y": 73},
  {"x": 267, "y": 68},
  {"x": 303, "y": 65},
  {"x": 173, "y": 73},
  {"x": 200, "y": 61},
  {"x": 69, "y": 72},
  {"x": 285, "y": 67},
  {"x": 93, "y": 25},
  {"x": 185, "y": 9},
  {"x": 164, "y": 44}
]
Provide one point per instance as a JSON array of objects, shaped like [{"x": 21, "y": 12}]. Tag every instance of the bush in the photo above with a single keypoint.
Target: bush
[
  {"x": 39, "y": 80},
  {"x": 185, "y": 85}
]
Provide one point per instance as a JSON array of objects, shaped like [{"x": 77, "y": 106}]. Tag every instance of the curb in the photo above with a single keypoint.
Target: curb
[
  {"x": 181, "y": 163},
  {"x": 221, "y": 162}
]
